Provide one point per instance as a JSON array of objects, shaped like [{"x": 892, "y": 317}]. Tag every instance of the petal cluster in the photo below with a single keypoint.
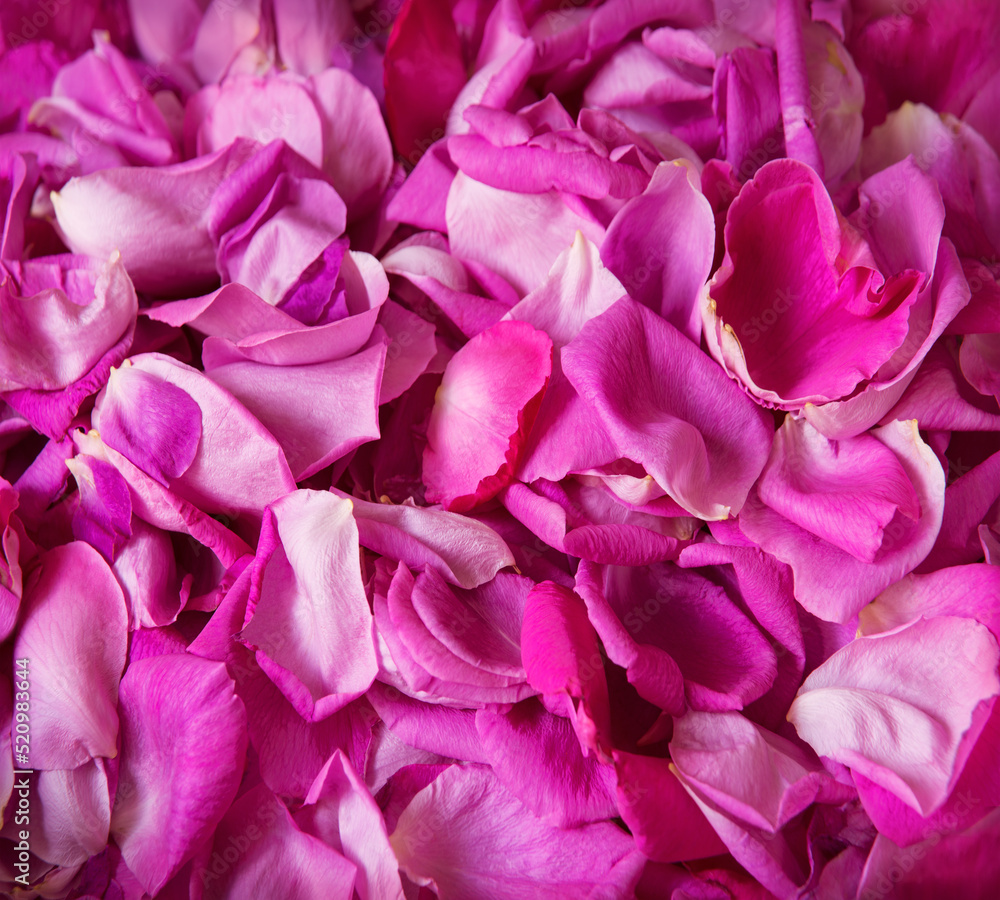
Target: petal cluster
[{"x": 499, "y": 449}]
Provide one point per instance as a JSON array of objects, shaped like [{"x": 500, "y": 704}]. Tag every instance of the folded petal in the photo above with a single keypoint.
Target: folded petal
[
  {"x": 577, "y": 288},
  {"x": 661, "y": 246},
  {"x": 59, "y": 316},
  {"x": 900, "y": 708},
  {"x": 844, "y": 551},
  {"x": 151, "y": 421},
  {"x": 357, "y": 154},
  {"x": 259, "y": 849},
  {"x": 238, "y": 465},
  {"x": 318, "y": 412},
  {"x": 537, "y": 757},
  {"x": 562, "y": 658},
  {"x": 482, "y": 412},
  {"x": 519, "y": 236},
  {"x": 152, "y": 216},
  {"x": 971, "y": 591},
  {"x": 750, "y": 773},
  {"x": 340, "y": 811},
  {"x": 75, "y": 814}
]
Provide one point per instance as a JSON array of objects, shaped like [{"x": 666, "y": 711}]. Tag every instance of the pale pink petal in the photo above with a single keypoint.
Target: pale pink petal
[
  {"x": 310, "y": 623},
  {"x": 259, "y": 851},
  {"x": 900, "y": 707},
  {"x": 74, "y": 814},
  {"x": 340, "y": 811}
]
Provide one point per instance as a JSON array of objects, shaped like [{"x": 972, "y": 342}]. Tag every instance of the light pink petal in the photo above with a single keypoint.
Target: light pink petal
[
  {"x": 752, "y": 774},
  {"x": 482, "y": 412},
  {"x": 463, "y": 551},
  {"x": 239, "y": 466},
  {"x": 577, "y": 288},
  {"x": 260, "y": 109},
  {"x": 171, "y": 792},
  {"x": 972, "y": 591},
  {"x": 900, "y": 707},
  {"x": 429, "y": 727},
  {"x": 310, "y": 33},
  {"x": 233, "y": 312},
  {"x": 844, "y": 492},
  {"x": 310, "y": 623},
  {"x": 415, "y": 662},
  {"x": 225, "y": 39},
  {"x": 481, "y": 626},
  {"x": 357, "y": 154},
  {"x": 975, "y": 794},
  {"x": 73, "y": 815},
  {"x": 460, "y": 834},
  {"x": 519, "y": 236},
  {"x": 271, "y": 218},
  {"x": 650, "y": 387},
  {"x": 74, "y": 635},
  {"x": 418, "y": 608},
  {"x": 340, "y": 811}
]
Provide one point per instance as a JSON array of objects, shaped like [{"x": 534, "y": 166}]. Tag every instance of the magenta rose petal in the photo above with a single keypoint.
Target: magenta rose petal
[
  {"x": 75, "y": 718},
  {"x": 169, "y": 703},
  {"x": 477, "y": 827}
]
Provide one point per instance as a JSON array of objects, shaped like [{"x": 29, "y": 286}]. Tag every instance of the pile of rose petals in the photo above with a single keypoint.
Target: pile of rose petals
[{"x": 500, "y": 449}]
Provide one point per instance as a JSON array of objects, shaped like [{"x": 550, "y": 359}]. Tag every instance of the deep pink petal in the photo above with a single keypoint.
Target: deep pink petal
[{"x": 482, "y": 412}]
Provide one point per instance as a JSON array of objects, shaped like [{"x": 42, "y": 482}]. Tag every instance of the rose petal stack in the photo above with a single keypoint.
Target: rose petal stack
[{"x": 500, "y": 449}]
